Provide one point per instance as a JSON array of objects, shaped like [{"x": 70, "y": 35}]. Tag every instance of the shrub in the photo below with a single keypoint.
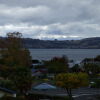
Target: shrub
[
  {"x": 96, "y": 84},
  {"x": 12, "y": 98},
  {"x": 7, "y": 84}
]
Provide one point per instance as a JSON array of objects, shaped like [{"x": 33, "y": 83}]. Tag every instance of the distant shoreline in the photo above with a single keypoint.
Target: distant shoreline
[
  {"x": 64, "y": 48},
  {"x": 87, "y": 43}
]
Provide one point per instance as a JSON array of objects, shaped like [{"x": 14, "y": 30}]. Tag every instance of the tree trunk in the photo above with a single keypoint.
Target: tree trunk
[{"x": 69, "y": 92}]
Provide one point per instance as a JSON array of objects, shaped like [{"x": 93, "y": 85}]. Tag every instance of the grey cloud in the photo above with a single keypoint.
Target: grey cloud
[
  {"x": 59, "y": 31},
  {"x": 46, "y": 11},
  {"x": 47, "y": 18}
]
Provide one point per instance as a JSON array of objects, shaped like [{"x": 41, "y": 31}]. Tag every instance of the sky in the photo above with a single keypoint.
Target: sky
[{"x": 51, "y": 19}]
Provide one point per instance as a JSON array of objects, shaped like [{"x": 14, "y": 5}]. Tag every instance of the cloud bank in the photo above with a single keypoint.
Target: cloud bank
[{"x": 51, "y": 19}]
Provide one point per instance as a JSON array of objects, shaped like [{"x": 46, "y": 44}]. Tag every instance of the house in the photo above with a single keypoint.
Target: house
[
  {"x": 73, "y": 63},
  {"x": 8, "y": 92},
  {"x": 44, "y": 86},
  {"x": 89, "y": 61},
  {"x": 38, "y": 72},
  {"x": 36, "y": 63},
  {"x": 38, "y": 69}
]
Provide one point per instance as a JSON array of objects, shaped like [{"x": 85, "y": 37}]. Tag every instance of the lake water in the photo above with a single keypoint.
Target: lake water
[{"x": 75, "y": 54}]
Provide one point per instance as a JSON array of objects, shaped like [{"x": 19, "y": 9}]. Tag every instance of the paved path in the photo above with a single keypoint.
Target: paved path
[
  {"x": 76, "y": 92},
  {"x": 85, "y": 91},
  {"x": 87, "y": 97}
]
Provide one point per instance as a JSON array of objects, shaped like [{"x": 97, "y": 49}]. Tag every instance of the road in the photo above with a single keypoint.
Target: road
[{"x": 76, "y": 92}]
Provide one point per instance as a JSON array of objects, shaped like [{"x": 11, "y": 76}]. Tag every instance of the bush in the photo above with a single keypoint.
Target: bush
[
  {"x": 7, "y": 84},
  {"x": 96, "y": 84},
  {"x": 97, "y": 97},
  {"x": 34, "y": 97},
  {"x": 12, "y": 98}
]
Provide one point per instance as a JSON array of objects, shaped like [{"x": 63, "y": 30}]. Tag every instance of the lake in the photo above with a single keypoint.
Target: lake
[{"x": 72, "y": 54}]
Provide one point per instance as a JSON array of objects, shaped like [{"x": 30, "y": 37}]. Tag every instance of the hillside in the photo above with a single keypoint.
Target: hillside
[{"x": 87, "y": 43}]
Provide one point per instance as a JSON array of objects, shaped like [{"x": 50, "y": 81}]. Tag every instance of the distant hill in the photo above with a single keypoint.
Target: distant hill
[{"x": 87, "y": 43}]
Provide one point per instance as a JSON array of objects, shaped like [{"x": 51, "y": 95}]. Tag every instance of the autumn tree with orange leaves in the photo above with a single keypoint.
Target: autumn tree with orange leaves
[{"x": 71, "y": 81}]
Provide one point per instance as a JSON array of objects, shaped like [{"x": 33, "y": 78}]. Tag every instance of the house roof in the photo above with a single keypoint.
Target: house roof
[
  {"x": 7, "y": 90},
  {"x": 44, "y": 86}
]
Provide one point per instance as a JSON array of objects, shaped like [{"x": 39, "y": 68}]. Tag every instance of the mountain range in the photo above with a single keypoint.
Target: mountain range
[{"x": 87, "y": 43}]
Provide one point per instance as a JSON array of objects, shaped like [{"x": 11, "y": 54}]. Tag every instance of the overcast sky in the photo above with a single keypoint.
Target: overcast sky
[{"x": 51, "y": 19}]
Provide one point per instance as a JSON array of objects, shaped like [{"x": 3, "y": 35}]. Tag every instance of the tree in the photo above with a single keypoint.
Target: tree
[
  {"x": 57, "y": 65},
  {"x": 14, "y": 54},
  {"x": 76, "y": 68},
  {"x": 97, "y": 58},
  {"x": 70, "y": 81},
  {"x": 91, "y": 69},
  {"x": 22, "y": 79},
  {"x": 15, "y": 62}
]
